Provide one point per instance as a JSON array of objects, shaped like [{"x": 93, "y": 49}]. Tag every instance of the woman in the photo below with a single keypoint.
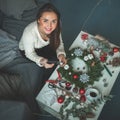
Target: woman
[
  {"x": 40, "y": 42},
  {"x": 42, "y": 38}
]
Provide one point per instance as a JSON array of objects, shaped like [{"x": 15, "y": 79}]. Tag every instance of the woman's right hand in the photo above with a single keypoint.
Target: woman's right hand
[{"x": 45, "y": 63}]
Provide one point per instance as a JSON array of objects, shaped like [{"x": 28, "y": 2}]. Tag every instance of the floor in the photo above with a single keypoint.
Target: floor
[
  {"x": 111, "y": 111},
  {"x": 46, "y": 116}
]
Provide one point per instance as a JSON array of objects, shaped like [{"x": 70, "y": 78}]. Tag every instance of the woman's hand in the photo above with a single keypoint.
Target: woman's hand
[
  {"x": 62, "y": 60},
  {"x": 45, "y": 63}
]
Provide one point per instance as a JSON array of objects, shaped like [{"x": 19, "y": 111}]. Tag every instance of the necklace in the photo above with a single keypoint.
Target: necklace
[{"x": 45, "y": 37}]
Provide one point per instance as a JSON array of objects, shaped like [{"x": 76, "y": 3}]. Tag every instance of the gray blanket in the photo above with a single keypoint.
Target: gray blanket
[{"x": 9, "y": 49}]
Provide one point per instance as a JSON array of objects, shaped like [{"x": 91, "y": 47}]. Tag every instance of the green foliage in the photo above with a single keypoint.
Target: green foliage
[
  {"x": 94, "y": 71},
  {"x": 73, "y": 106},
  {"x": 85, "y": 111}
]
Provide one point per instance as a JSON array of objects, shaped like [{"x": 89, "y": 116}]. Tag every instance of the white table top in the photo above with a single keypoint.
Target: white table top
[{"x": 47, "y": 96}]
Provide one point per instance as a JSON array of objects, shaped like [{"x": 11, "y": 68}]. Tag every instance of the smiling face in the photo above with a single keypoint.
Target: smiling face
[{"x": 47, "y": 23}]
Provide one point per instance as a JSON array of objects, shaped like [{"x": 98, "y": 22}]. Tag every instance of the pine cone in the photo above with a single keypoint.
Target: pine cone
[
  {"x": 90, "y": 115},
  {"x": 83, "y": 117},
  {"x": 116, "y": 61}
]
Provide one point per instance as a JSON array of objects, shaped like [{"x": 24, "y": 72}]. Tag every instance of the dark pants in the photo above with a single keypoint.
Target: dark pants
[
  {"x": 32, "y": 76},
  {"x": 46, "y": 52}
]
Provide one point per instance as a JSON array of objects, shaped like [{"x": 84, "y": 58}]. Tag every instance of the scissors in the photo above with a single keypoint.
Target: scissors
[
  {"x": 51, "y": 85},
  {"x": 62, "y": 83}
]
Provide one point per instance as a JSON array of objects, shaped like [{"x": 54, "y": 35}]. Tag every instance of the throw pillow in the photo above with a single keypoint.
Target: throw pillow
[
  {"x": 14, "y": 26},
  {"x": 39, "y": 1},
  {"x": 16, "y": 7},
  {"x": 1, "y": 19},
  {"x": 9, "y": 49}
]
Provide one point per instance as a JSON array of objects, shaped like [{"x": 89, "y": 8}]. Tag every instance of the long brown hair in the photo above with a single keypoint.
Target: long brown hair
[{"x": 55, "y": 35}]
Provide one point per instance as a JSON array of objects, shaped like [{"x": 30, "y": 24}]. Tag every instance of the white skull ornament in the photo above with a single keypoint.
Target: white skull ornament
[{"x": 79, "y": 65}]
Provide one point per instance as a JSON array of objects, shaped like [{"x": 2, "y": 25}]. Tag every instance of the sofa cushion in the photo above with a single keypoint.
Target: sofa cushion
[
  {"x": 9, "y": 49},
  {"x": 13, "y": 87},
  {"x": 39, "y": 1},
  {"x": 1, "y": 18},
  {"x": 16, "y": 26},
  {"x": 9, "y": 86},
  {"x": 30, "y": 15},
  {"x": 16, "y": 7}
]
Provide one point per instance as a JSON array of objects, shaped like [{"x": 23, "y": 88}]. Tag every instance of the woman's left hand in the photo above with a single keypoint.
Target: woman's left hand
[{"x": 62, "y": 60}]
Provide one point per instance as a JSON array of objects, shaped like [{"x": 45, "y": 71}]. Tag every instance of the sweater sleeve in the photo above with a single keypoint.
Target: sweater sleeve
[
  {"x": 60, "y": 49},
  {"x": 28, "y": 42}
]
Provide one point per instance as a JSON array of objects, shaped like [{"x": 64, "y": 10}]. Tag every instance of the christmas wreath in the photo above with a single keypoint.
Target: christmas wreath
[{"x": 82, "y": 68}]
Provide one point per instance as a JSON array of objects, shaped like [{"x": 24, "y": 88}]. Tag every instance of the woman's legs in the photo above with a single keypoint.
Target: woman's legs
[{"x": 33, "y": 75}]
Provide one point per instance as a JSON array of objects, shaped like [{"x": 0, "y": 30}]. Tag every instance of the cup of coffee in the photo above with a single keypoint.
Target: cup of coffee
[{"x": 92, "y": 94}]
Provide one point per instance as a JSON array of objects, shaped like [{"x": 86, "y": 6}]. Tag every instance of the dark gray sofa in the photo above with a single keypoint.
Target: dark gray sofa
[
  {"x": 16, "y": 99},
  {"x": 20, "y": 79},
  {"x": 9, "y": 110}
]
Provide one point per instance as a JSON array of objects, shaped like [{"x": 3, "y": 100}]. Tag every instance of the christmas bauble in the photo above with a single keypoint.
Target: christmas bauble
[
  {"x": 82, "y": 91},
  {"x": 115, "y": 49},
  {"x": 75, "y": 76},
  {"x": 68, "y": 85},
  {"x": 75, "y": 90},
  {"x": 83, "y": 98},
  {"x": 61, "y": 99},
  {"x": 102, "y": 58},
  {"x": 84, "y": 36}
]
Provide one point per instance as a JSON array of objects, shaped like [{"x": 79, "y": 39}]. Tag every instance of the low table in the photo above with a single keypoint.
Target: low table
[{"x": 47, "y": 98}]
